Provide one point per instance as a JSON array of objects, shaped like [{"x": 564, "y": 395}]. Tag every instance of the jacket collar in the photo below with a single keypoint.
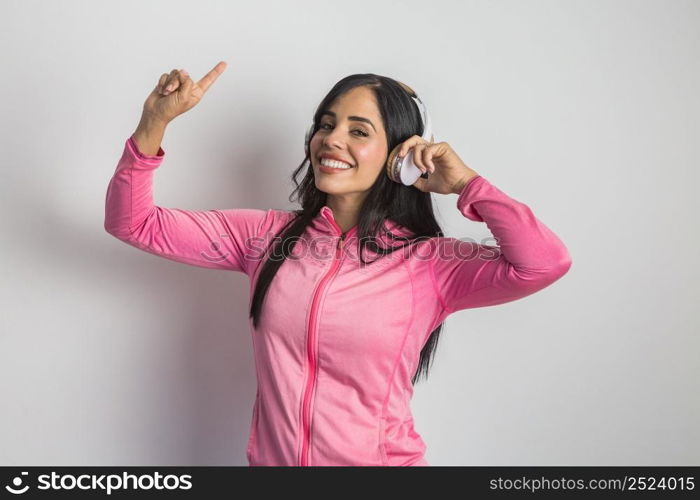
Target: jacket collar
[{"x": 325, "y": 223}]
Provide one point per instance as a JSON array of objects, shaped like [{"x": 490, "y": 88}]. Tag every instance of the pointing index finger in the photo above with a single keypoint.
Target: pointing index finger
[{"x": 211, "y": 77}]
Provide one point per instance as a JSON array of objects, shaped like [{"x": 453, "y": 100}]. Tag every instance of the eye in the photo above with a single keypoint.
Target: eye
[{"x": 362, "y": 133}]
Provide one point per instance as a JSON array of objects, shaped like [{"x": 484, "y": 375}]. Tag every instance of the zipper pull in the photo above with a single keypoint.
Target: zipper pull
[{"x": 341, "y": 241}]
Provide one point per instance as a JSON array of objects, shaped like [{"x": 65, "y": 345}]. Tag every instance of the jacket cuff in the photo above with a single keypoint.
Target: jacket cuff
[
  {"x": 470, "y": 193},
  {"x": 150, "y": 159}
]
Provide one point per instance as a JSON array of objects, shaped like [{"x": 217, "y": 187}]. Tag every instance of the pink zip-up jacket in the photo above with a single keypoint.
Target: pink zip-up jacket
[{"x": 338, "y": 343}]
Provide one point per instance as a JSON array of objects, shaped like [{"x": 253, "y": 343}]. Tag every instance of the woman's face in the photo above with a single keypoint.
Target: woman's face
[{"x": 353, "y": 134}]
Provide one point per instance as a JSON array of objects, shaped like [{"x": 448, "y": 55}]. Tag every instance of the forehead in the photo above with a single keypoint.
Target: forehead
[{"x": 357, "y": 101}]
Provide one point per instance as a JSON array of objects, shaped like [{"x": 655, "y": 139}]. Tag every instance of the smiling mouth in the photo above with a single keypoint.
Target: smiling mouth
[
  {"x": 330, "y": 163},
  {"x": 332, "y": 170},
  {"x": 329, "y": 166}
]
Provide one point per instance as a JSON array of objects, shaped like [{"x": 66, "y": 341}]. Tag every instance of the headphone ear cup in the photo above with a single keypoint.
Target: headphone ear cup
[{"x": 392, "y": 166}]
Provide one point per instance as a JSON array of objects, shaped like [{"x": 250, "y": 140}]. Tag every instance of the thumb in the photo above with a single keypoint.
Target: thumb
[{"x": 421, "y": 184}]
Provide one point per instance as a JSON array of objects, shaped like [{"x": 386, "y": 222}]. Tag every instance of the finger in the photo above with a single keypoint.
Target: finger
[
  {"x": 180, "y": 78},
  {"x": 174, "y": 82},
  {"x": 425, "y": 158},
  {"x": 409, "y": 143},
  {"x": 170, "y": 82},
  {"x": 172, "y": 86},
  {"x": 428, "y": 158},
  {"x": 418, "y": 151},
  {"x": 211, "y": 77},
  {"x": 416, "y": 159},
  {"x": 161, "y": 82},
  {"x": 187, "y": 84}
]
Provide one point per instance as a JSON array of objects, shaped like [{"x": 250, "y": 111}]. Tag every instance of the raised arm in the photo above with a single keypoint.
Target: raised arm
[
  {"x": 216, "y": 239},
  {"x": 527, "y": 258}
]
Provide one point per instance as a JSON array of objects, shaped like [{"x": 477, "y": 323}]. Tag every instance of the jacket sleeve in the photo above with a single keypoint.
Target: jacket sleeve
[
  {"x": 216, "y": 239},
  {"x": 527, "y": 258}
]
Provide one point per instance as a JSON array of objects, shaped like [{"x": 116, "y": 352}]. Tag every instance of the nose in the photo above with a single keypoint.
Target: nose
[{"x": 332, "y": 139}]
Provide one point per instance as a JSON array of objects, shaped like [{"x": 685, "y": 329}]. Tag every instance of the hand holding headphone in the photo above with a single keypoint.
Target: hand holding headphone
[{"x": 404, "y": 169}]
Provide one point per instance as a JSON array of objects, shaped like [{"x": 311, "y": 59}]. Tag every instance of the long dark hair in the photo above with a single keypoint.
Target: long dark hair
[{"x": 406, "y": 205}]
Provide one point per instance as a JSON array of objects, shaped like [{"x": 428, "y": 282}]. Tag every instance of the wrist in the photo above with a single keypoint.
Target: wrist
[
  {"x": 460, "y": 185},
  {"x": 149, "y": 135},
  {"x": 151, "y": 124}
]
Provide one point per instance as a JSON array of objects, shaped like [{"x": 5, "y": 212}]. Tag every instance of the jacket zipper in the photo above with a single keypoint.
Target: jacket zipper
[{"x": 310, "y": 381}]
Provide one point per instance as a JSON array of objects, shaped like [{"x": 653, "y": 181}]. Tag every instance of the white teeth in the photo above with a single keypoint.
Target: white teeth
[{"x": 334, "y": 164}]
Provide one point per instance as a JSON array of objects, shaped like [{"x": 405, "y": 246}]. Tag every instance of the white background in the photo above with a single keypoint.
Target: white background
[{"x": 587, "y": 111}]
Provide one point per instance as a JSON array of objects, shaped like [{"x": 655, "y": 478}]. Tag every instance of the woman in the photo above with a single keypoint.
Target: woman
[{"x": 348, "y": 293}]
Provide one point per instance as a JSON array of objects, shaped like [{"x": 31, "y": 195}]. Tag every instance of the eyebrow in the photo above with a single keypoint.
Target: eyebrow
[{"x": 352, "y": 118}]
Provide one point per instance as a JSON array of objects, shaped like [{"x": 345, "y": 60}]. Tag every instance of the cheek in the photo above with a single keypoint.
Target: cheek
[
  {"x": 313, "y": 144},
  {"x": 371, "y": 156}
]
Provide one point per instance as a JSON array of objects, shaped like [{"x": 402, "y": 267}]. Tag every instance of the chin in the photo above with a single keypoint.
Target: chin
[{"x": 331, "y": 187}]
